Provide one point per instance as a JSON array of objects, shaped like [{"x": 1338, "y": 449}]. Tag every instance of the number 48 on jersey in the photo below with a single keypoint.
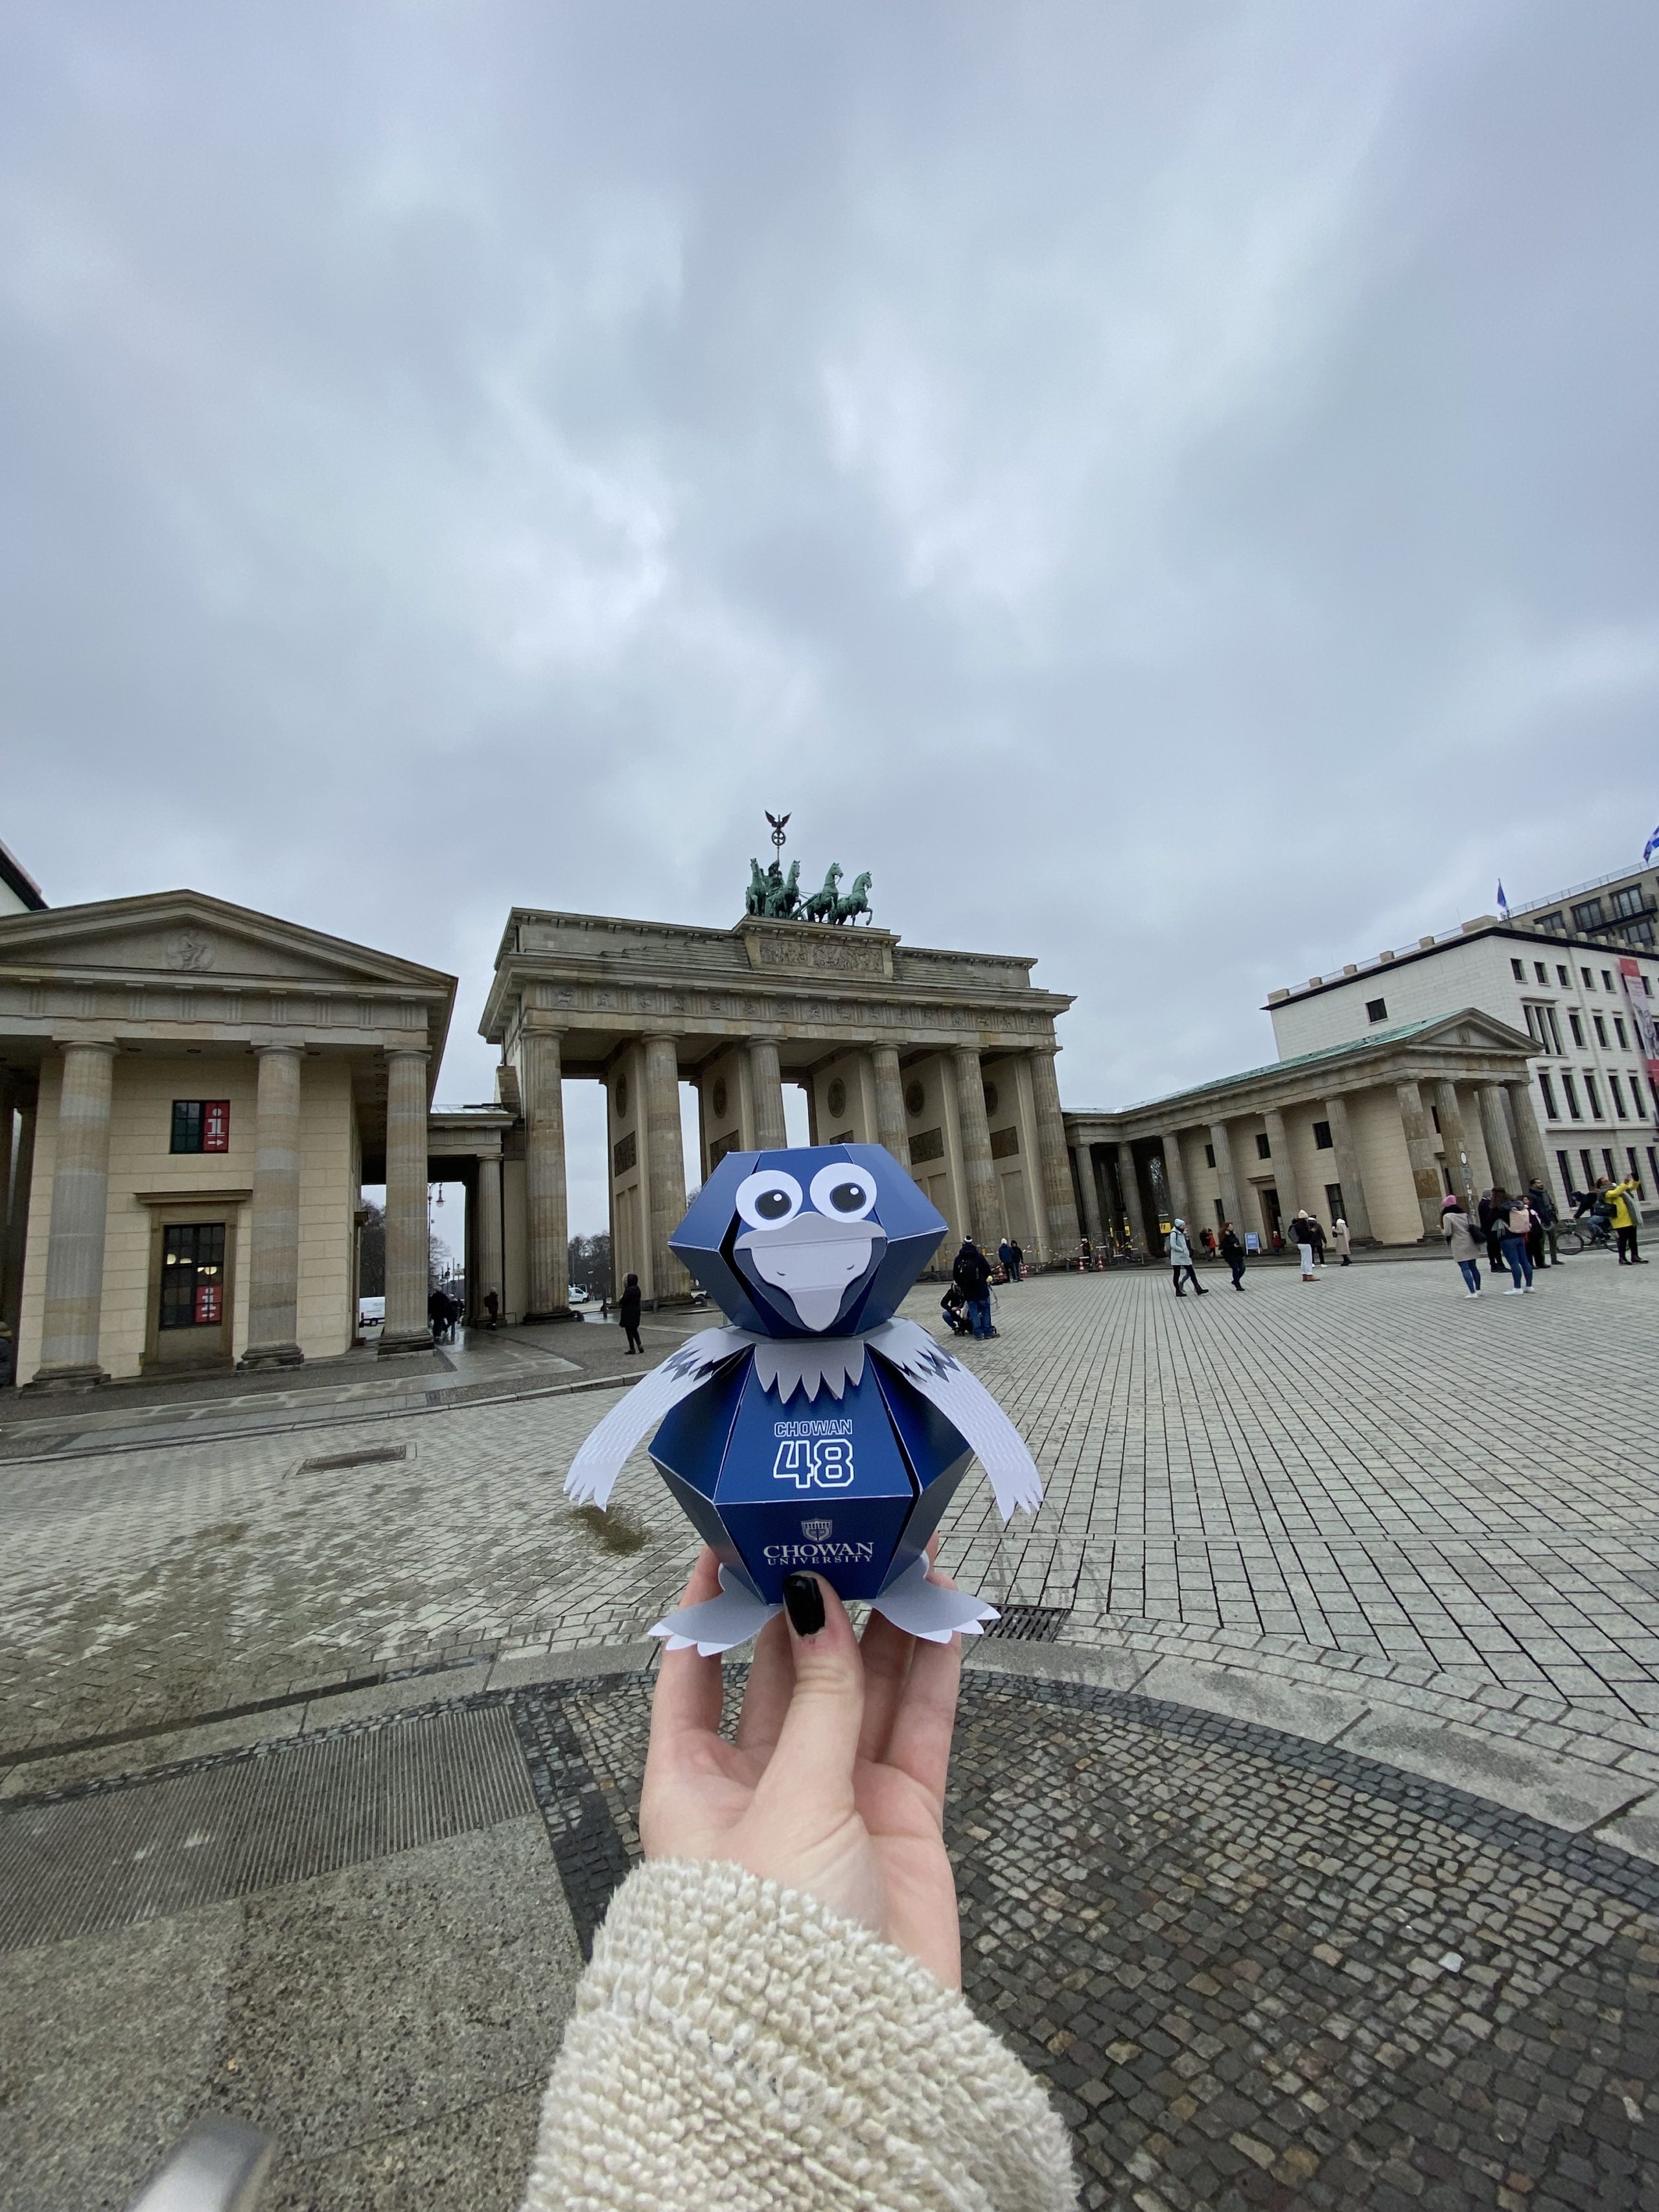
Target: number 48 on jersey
[{"x": 815, "y": 1462}]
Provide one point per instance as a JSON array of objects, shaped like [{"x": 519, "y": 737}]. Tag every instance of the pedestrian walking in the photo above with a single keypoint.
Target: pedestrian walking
[
  {"x": 1006, "y": 1256},
  {"x": 627, "y": 1313},
  {"x": 1019, "y": 1259},
  {"x": 971, "y": 1273},
  {"x": 1233, "y": 1251},
  {"x": 1548, "y": 1220},
  {"x": 1492, "y": 1229},
  {"x": 1620, "y": 1198},
  {"x": 492, "y": 1307},
  {"x": 1304, "y": 1229},
  {"x": 1514, "y": 1218},
  {"x": 1341, "y": 1241},
  {"x": 1463, "y": 1243},
  {"x": 1180, "y": 1261},
  {"x": 1318, "y": 1240}
]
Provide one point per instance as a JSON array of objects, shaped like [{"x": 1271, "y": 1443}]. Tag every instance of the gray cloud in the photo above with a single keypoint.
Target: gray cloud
[{"x": 1169, "y": 489}]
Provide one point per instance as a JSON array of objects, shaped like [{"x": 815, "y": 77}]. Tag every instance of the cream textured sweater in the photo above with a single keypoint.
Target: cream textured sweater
[{"x": 737, "y": 2045}]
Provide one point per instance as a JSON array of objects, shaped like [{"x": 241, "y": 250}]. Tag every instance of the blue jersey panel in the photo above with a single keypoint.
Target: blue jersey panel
[
  {"x": 933, "y": 1445},
  {"x": 850, "y": 1541},
  {"x": 692, "y": 1439},
  {"x": 812, "y": 1449}
]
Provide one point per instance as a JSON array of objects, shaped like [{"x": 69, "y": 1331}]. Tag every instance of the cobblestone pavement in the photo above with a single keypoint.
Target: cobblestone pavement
[
  {"x": 1371, "y": 1480},
  {"x": 1254, "y": 1971}
]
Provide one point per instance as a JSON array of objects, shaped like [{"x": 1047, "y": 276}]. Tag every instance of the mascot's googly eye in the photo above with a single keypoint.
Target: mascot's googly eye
[
  {"x": 768, "y": 1198},
  {"x": 843, "y": 1192}
]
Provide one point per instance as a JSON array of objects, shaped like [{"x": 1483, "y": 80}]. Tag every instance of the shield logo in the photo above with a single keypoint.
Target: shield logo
[{"x": 817, "y": 1532}]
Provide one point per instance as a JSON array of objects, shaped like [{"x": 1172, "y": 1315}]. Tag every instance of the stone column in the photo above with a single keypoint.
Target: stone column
[
  {"x": 1174, "y": 1178},
  {"x": 1279, "y": 1145},
  {"x": 79, "y": 1207},
  {"x": 973, "y": 1128},
  {"x": 1535, "y": 1160},
  {"x": 273, "y": 1322},
  {"x": 891, "y": 1128},
  {"x": 542, "y": 1073},
  {"x": 1129, "y": 1184},
  {"x": 17, "y": 1222},
  {"x": 7, "y": 1109},
  {"x": 406, "y": 1328},
  {"x": 1089, "y": 1186},
  {"x": 766, "y": 1085},
  {"x": 1500, "y": 1148},
  {"x": 1221, "y": 1145},
  {"x": 1420, "y": 1151},
  {"x": 1060, "y": 1206},
  {"x": 1357, "y": 1212},
  {"x": 1480, "y": 1165},
  {"x": 1454, "y": 1141},
  {"x": 665, "y": 1165},
  {"x": 488, "y": 1246}
]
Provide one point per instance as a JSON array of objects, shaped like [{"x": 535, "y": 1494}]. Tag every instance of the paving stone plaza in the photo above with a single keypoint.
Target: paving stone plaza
[{"x": 1306, "y": 1819}]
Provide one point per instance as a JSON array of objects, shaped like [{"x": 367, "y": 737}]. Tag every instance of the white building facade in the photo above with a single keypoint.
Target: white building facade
[{"x": 1585, "y": 1004}]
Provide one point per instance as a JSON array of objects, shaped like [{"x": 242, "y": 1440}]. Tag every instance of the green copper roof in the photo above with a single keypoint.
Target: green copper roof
[{"x": 1275, "y": 1068}]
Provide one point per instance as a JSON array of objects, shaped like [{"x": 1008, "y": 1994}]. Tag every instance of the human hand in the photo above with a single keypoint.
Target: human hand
[{"x": 835, "y": 1783}]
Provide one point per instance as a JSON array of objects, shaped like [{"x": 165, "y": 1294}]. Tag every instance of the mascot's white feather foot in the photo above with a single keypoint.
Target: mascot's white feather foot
[
  {"x": 719, "y": 1624},
  {"x": 929, "y": 1610}
]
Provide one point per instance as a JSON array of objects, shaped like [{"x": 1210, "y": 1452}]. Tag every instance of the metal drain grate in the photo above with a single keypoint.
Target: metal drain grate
[
  {"x": 329, "y": 1462},
  {"x": 1031, "y": 1623},
  {"x": 152, "y": 1848}
]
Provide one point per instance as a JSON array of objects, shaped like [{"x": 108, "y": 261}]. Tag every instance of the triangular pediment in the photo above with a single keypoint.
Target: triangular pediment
[
  {"x": 1471, "y": 1030},
  {"x": 171, "y": 935}
]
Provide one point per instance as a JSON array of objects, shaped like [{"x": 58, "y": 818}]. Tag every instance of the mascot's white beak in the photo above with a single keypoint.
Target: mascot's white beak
[{"x": 811, "y": 1260}]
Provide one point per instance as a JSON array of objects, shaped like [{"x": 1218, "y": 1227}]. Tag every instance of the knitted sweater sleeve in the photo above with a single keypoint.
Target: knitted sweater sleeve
[{"x": 737, "y": 2045}]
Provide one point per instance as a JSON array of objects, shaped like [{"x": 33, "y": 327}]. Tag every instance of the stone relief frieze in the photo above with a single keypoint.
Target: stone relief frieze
[
  {"x": 192, "y": 949},
  {"x": 829, "y": 955}
]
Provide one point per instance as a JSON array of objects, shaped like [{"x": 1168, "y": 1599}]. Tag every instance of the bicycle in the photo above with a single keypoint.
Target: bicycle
[{"x": 1588, "y": 1235}]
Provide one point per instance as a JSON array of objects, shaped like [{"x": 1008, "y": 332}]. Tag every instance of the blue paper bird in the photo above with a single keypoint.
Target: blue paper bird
[{"x": 816, "y": 1432}]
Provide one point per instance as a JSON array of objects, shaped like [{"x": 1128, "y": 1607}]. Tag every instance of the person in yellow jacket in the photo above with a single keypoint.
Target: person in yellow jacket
[{"x": 1620, "y": 1199}]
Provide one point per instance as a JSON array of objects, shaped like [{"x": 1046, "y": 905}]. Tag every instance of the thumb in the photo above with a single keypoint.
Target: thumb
[{"x": 819, "y": 1737}]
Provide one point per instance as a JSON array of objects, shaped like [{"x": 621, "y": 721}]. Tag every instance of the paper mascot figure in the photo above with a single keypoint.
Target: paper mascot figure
[{"x": 816, "y": 1432}]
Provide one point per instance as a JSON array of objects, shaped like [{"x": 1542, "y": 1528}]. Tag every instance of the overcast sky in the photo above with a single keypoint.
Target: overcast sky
[{"x": 1169, "y": 487}]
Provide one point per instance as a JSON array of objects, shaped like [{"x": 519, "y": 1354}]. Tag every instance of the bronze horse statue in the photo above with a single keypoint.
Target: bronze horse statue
[
  {"x": 857, "y": 901},
  {"x": 821, "y": 906}
]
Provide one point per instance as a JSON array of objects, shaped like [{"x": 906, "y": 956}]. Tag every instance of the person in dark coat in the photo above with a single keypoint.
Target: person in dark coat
[
  {"x": 972, "y": 1276},
  {"x": 1019, "y": 1259},
  {"x": 628, "y": 1312},
  {"x": 1543, "y": 1207},
  {"x": 1233, "y": 1251},
  {"x": 492, "y": 1307},
  {"x": 1493, "y": 1207}
]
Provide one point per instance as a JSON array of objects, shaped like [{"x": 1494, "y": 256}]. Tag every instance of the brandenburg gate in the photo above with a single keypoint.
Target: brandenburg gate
[{"x": 945, "y": 1058}]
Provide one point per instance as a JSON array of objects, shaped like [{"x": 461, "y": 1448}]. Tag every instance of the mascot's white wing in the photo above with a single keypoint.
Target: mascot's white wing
[
  {"x": 968, "y": 1406},
  {"x": 593, "y": 1472}
]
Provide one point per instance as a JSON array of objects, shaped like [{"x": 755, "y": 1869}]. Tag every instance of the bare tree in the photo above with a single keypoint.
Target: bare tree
[{"x": 371, "y": 1251}]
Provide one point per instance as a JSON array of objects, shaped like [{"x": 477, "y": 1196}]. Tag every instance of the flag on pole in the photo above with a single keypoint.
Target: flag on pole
[
  {"x": 1504, "y": 904},
  {"x": 1650, "y": 848}
]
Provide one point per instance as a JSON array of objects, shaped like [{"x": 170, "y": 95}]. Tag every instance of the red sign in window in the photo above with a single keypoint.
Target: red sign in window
[
  {"x": 208, "y": 1307},
  {"x": 215, "y": 1124}
]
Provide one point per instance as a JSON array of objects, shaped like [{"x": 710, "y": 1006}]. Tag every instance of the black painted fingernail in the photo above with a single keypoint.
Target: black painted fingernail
[{"x": 803, "y": 1600}]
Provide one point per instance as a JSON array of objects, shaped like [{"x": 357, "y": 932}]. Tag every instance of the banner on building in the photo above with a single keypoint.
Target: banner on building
[{"x": 1641, "y": 1015}]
